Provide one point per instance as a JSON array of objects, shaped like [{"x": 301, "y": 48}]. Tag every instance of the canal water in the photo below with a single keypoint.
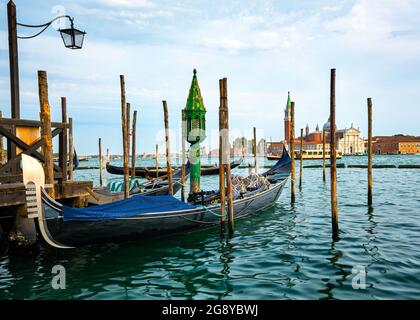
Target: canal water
[{"x": 284, "y": 252}]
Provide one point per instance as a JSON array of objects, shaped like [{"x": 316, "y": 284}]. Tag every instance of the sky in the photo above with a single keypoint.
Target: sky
[{"x": 265, "y": 48}]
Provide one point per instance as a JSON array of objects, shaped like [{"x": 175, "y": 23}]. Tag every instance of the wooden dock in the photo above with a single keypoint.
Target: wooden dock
[
  {"x": 35, "y": 138},
  {"x": 70, "y": 192}
]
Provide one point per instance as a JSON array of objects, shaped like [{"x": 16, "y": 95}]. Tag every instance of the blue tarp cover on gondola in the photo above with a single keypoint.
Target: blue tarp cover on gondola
[{"x": 126, "y": 208}]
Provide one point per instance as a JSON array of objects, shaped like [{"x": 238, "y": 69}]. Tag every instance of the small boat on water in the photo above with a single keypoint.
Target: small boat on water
[
  {"x": 307, "y": 155},
  {"x": 76, "y": 160},
  {"x": 139, "y": 216},
  {"x": 84, "y": 158},
  {"x": 150, "y": 172},
  {"x": 206, "y": 171},
  {"x": 141, "y": 172},
  {"x": 156, "y": 187},
  {"x": 316, "y": 155},
  {"x": 273, "y": 156}
]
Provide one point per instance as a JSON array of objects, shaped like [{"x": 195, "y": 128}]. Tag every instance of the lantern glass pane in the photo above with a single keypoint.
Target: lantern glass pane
[
  {"x": 72, "y": 38},
  {"x": 78, "y": 38},
  {"x": 67, "y": 36}
]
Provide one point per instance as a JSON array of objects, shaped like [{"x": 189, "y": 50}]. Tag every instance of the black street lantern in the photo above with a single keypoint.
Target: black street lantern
[{"x": 72, "y": 38}]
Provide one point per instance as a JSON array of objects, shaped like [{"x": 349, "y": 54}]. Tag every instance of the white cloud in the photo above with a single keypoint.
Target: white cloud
[
  {"x": 372, "y": 25},
  {"x": 252, "y": 32},
  {"x": 122, "y": 13},
  {"x": 127, "y": 3}
]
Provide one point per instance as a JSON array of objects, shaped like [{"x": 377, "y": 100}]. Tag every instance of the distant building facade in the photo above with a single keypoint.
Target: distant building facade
[
  {"x": 398, "y": 144},
  {"x": 349, "y": 141}
]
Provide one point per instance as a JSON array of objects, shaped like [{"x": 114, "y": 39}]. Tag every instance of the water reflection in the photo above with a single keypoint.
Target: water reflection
[
  {"x": 226, "y": 258},
  {"x": 370, "y": 246},
  {"x": 340, "y": 274}
]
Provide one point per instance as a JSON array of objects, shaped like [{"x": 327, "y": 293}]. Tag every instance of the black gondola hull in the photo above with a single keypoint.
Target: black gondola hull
[
  {"x": 215, "y": 170},
  {"x": 142, "y": 172},
  {"x": 78, "y": 233}
]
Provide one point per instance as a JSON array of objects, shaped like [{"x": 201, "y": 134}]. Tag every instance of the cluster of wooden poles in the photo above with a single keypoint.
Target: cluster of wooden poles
[
  {"x": 225, "y": 183},
  {"x": 225, "y": 179},
  {"x": 333, "y": 158},
  {"x": 1, "y": 145},
  {"x": 125, "y": 125}
]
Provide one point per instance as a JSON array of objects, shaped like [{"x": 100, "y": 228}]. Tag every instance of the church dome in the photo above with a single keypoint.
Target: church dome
[{"x": 327, "y": 125}]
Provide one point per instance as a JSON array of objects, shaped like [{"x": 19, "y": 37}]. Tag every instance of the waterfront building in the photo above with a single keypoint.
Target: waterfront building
[
  {"x": 398, "y": 144},
  {"x": 349, "y": 141}
]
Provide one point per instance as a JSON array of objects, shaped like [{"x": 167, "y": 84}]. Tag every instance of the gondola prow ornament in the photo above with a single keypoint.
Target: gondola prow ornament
[
  {"x": 34, "y": 181},
  {"x": 195, "y": 130}
]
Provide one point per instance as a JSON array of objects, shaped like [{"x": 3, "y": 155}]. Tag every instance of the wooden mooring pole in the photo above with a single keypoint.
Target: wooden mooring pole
[
  {"x": 183, "y": 134},
  {"x": 133, "y": 146},
  {"x": 14, "y": 76},
  {"x": 255, "y": 149},
  {"x": 301, "y": 159},
  {"x": 221, "y": 164},
  {"x": 333, "y": 159},
  {"x": 1, "y": 145},
  {"x": 323, "y": 155},
  {"x": 168, "y": 149},
  {"x": 292, "y": 153},
  {"x": 127, "y": 127},
  {"x": 70, "y": 148},
  {"x": 46, "y": 135},
  {"x": 125, "y": 138},
  {"x": 63, "y": 140},
  {"x": 100, "y": 162},
  {"x": 157, "y": 160},
  {"x": 226, "y": 157},
  {"x": 369, "y": 105},
  {"x": 13, "y": 61}
]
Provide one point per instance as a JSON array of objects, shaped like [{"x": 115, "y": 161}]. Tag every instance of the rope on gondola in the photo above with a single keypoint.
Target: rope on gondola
[
  {"x": 200, "y": 221},
  {"x": 204, "y": 222},
  {"x": 210, "y": 211}
]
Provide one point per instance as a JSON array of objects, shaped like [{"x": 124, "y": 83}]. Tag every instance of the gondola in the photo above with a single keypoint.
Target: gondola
[
  {"x": 157, "y": 187},
  {"x": 141, "y": 172},
  {"x": 206, "y": 171},
  {"x": 139, "y": 216},
  {"x": 150, "y": 172},
  {"x": 75, "y": 160},
  {"x": 273, "y": 156}
]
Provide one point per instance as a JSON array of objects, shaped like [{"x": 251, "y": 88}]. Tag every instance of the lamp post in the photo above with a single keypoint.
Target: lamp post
[
  {"x": 72, "y": 38},
  {"x": 196, "y": 130}
]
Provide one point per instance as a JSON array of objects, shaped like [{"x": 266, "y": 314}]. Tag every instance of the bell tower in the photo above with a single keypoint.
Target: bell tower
[{"x": 287, "y": 118}]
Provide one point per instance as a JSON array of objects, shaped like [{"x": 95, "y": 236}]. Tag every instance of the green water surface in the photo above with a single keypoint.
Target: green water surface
[{"x": 284, "y": 252}]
